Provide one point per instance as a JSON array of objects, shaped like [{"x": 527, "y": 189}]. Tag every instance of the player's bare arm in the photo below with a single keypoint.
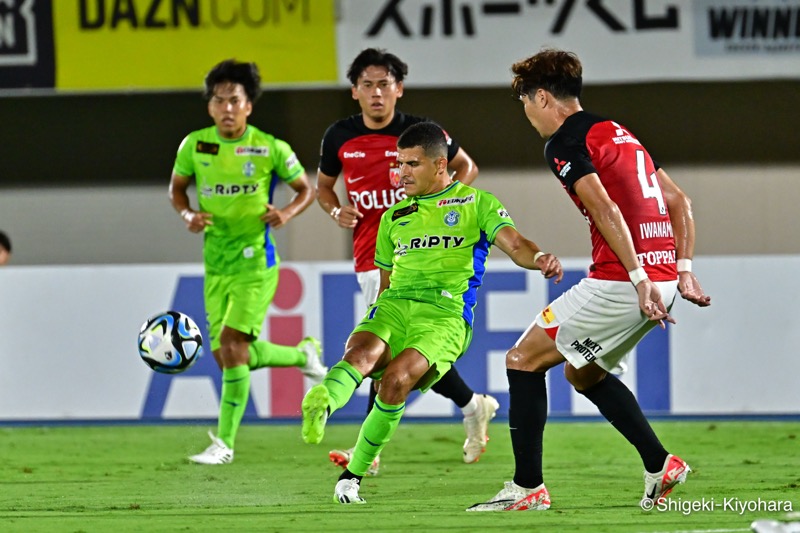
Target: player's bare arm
[
  {"x": 195, "y": 221},
  {"x": 346, "y": 216},
  {"x": 305, "y": 195},
  {"x": 464, "y": 168},
  {"x": 679, "y": 206},
  {"x": 609, "y": 221},
  {"x": 526, "y": 254}
]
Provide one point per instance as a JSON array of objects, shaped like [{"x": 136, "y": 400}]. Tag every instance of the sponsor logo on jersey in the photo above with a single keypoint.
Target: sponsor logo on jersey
[
  {"x": 257, "y": 151},
  {"x": 389, "y": 153},
  {"x": 587, "y": 348},
  {"x": 353, "y": 180},
  {"x": 248, "y": 252},
  {"x": 400, "y": 213},
  {"x": 657, "y": 257},
  {"x": 621, "y": 136},
  {"x": 502, "y": 213},
  {"x": 452, "y": 218},
  {"x": 228, "y": 190},
  {"x": 547, "y": 315},
  {"x": 427, "y": 242},
  {"x": 354, "y": 155},
  {"x": 456, "y": 201},
  {"x": 559, "y": 164},
  {"x": 563, "y": 168},
  {"x": 380, "y": 200},
  {"x": 291, "y": 161},
  {"x": 206, "y": 148},
  {"x": 249, "y": 169}
]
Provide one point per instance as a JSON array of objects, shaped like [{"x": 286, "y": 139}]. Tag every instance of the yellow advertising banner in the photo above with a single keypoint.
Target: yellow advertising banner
[{"x": 171, "y": 44}]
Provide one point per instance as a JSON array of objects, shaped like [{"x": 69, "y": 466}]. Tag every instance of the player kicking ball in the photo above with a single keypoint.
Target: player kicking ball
[
  {"x": 642, "y": 233},
  {"x": 432, "y": 249}
]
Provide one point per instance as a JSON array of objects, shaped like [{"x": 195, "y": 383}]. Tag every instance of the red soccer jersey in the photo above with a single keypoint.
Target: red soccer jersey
[
  {"x": 587, "y": 144},
  {"x": 367, "y": 160}
]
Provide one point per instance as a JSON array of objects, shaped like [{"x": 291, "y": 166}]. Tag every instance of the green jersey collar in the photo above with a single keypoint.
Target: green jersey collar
[{"x": 437, "y": 194}]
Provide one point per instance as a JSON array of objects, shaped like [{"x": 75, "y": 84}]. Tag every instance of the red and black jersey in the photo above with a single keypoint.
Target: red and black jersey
[
  {"x": 367, "y": 159},
  {"x": 587, "y": 144}
]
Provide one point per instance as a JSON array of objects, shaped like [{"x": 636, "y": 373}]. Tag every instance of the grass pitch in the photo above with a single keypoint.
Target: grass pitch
[{"x": 136, "y": 478}]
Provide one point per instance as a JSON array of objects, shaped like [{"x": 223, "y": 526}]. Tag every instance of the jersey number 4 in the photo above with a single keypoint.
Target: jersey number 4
[{"x": 650, "y": 187}]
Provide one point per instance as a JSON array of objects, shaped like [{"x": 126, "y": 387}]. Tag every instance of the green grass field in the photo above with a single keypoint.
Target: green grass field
[{"x": 136, "y": 478}]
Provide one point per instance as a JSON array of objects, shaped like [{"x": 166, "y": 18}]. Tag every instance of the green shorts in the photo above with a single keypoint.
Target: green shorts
[
  {"x": 438, "y": 335},
  {"x": 239, "y": 301}
]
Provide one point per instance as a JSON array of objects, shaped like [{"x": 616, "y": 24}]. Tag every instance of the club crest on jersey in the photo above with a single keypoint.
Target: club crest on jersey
[
  {"x": 249, "y": 169},
  {"x": 456, "y": 201},
  {"x": 452, "y": 218},
  {"x": 394, "y": 174},
  {"x": 257, "y": 151}
]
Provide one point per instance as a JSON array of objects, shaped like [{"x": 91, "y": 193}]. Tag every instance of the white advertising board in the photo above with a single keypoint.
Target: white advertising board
[
  {"x": 475, "y": 42},
  {"x": 68, "y": 342}
]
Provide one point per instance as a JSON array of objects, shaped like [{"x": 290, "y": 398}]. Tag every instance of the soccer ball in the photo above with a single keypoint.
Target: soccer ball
[{"x": 170, "y": 342}]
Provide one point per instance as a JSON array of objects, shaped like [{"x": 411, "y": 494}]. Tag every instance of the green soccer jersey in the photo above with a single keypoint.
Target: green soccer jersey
[
  {"x": 235, "y": 180},
  {"x": 436, "y": 246}
]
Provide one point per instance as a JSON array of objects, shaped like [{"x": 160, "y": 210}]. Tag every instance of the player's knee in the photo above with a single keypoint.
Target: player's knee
[
  {"x": 395, "y": 387},
  {"x": 517, "y": 359}
]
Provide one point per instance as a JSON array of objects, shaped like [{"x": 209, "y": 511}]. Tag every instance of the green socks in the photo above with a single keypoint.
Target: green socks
[
  {"x": 341, "y": 382},
  {"x": 263, "y": 353},
  {"x": 235, "y": 391},
  {"x": 376, "y": 431}
]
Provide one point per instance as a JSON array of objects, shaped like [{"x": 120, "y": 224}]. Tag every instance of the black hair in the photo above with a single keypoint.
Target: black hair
[
  {"x": 427, "y": 135},
  {"x": 232, "y": 71},
  {"x": 5, "y": 242},
  {"x": 376, "y": 57}
]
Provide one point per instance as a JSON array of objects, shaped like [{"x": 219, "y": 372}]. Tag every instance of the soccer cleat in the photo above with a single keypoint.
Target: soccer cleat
[
  {"x": 476, "y": 426},
  {"x": 516, "y": 498},
  {"x": 657, "y": 486},
  {"x": 217, "y": 453},
  {"x": 315, "y": 414},
  {"x": 346, "y": 491},
  {"x": 342, "y": 458},
  {"x": 313, "y": 369}
]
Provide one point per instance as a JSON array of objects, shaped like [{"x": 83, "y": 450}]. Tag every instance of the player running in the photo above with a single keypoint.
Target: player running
[
  {"x": 431, "y": 250},
  {"x": 236, "y": 167},
  {"x": 642, "y": 233}
]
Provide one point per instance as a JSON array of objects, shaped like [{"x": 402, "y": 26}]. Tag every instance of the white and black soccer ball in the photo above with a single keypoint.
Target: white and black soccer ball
[{"x": 170, "y": 342}]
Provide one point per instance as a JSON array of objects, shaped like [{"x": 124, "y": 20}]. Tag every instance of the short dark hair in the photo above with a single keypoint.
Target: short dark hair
[
  {"x": 556, "y": 71},
  {"x": 5, "y": 242},
  {"x": 376, "y": 57},
  {"x": 232, "y": 71},
  {"x": 427, "y": 135}
]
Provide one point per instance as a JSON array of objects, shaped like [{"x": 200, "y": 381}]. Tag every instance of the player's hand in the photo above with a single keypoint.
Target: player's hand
[
  {"x": 348, "y": 217},
  {"x": 651, "y": 304},
  {"x": 550, "y": 267},
  {"x": 274, "y": 217},
  {"x": 196, "y": 221},
  {"x": 691, "y": 290}
]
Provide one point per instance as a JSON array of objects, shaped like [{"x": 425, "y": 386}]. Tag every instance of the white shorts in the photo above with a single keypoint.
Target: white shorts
[
  {"x": 599, "y": 321},
  {"x": 370, "y": 282}
]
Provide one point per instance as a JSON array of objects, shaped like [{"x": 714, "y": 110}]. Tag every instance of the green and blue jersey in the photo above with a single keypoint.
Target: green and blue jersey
[
  {"x": 437, "y": 245},
  {"x": 235, "y": 179}
]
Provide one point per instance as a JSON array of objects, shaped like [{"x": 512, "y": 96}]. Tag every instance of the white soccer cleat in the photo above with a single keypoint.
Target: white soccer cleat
[
  {"x": 476, "y": 427},
  {"x": 658, "y": 486},
  {"x": 346, "y": 492},
  {"x": 342, "y": 458},
  {"x": 516, "y": 498},
  {"x": 217, "y": 453},
  {"x": 313, "y": 369}
]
